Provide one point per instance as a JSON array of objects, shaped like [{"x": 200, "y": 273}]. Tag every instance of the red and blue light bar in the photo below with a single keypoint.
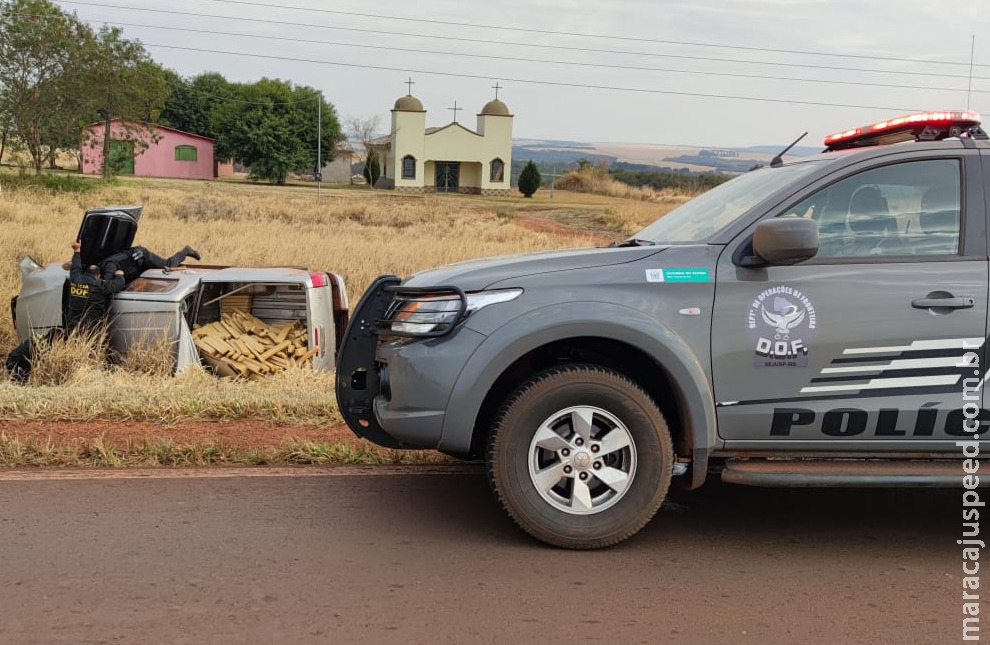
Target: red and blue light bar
[{"x": 909, "y": 122}]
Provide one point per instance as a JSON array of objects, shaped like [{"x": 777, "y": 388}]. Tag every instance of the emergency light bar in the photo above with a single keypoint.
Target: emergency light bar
[{"x": 924, "y": 126}]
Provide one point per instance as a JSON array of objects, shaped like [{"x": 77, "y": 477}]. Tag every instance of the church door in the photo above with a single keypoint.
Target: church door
[{"x": 447, "y": 176}]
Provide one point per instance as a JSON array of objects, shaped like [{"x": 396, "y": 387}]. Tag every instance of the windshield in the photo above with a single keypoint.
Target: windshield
[{"x": 710, "y": 212}]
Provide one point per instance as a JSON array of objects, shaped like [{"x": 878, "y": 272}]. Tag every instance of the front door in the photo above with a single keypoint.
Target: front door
[
  {"x": 448, "y": 173},
  {"x": 866, "y": 347},
  {"x": 122, "y": 156}
]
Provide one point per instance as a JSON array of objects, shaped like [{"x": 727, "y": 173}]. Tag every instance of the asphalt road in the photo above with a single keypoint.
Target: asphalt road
[{"x": 429, "y": 558}]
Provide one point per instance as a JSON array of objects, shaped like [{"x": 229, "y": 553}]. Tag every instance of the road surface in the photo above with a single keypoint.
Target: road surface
[{"x": 313, "y": 556}]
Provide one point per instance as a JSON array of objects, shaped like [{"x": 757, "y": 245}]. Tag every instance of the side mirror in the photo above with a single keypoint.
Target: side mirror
[{"x": 786, "y": 240}]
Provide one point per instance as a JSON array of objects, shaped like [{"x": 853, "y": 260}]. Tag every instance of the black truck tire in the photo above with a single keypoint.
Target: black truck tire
[{"x": 602, "y": 435}]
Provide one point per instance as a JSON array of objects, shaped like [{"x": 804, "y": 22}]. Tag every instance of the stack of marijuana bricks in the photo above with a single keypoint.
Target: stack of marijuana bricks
[{"x": 240, "y": 344}]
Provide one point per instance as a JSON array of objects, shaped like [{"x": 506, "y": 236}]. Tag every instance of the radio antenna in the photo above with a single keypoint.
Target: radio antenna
[{"x": 778, "y": 161}]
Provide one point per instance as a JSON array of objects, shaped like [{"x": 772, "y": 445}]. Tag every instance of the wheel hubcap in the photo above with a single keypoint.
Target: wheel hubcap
[{"x": 582, "y": 460}]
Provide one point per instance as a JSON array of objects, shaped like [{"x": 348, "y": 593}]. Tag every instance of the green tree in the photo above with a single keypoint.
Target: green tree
[
  {"x": 308, "y": 105},
  {"x": 57, "y": 75},
  {"x": 41, "y": 65},
  {"x": 126, "y": 84},
  {"x": 271, "y": 127},
  {"x": 191, "y": 102},
  {"x": 529, "y": 179}
]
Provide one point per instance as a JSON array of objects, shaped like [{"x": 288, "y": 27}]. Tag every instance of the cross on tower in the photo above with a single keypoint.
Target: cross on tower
[
  {"x": 410, "y": 83},
  {"x": 496, "y": 87},
  {"x": 455, "y": 109}
]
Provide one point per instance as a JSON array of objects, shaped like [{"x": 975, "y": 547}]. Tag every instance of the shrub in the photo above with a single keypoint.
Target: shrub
[
  {"x": 689, "y": 183},
  {"x": 598, "y": 180},
  {"x": 529, "y": 179},
  {"x": 53, "y": 183}
]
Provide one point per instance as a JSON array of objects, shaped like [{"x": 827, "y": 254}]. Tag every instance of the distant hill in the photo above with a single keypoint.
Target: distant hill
[
  {"x": 551, "y": 143},
  {"x": 633, "y": 156},
  {"x": 562, "y": 156}
]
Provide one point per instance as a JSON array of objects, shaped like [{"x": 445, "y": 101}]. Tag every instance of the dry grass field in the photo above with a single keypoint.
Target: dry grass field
[{"x": 357, "y": 233}]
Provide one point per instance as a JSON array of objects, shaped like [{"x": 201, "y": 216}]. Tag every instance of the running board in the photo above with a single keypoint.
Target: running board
[{"x": 823, "y": 473}]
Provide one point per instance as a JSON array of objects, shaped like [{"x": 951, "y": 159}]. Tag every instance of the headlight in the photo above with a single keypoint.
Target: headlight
[{"x": 435, "y": 314}]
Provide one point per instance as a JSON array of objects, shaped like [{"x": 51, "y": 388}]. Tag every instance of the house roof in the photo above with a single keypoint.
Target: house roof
[{"x": 155, "y": 126}]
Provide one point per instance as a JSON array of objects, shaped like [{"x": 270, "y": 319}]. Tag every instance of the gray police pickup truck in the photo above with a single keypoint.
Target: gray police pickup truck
[{"x": 815, "y": 323}]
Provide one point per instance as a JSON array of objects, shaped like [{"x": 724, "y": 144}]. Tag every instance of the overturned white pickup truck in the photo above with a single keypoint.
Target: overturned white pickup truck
[{"x": 171, "y": 302}]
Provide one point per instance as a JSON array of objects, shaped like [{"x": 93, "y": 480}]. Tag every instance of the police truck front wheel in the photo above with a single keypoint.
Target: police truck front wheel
[{"x": 580, "y": 457}]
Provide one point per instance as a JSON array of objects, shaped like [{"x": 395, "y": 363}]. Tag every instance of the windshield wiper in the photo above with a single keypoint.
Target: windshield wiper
[{"x": 633, "y": 242}]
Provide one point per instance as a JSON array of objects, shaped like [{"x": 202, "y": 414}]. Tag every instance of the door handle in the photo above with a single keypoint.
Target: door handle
[{"x": 958, "y": 302}]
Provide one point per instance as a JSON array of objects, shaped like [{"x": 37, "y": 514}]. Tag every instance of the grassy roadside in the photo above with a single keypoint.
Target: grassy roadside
[
  {"x": 294, "y": 397},
  {"x": 97, "y": 453},
  {"x": 297, "y": 399}
]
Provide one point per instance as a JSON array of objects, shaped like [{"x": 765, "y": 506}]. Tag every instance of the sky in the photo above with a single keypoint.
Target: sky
[{"x": 722, "y": 73}]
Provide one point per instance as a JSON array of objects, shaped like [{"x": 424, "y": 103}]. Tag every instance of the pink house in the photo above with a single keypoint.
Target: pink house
[{"x": 151, "y": 151}]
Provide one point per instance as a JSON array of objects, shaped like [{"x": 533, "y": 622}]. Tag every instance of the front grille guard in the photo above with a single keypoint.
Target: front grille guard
[{"x": 400, "y": 294}]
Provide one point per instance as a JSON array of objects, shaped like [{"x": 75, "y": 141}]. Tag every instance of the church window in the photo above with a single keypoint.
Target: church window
[
  {"x": 409, "y": 167},
  {"x": 498, "y": 170}
]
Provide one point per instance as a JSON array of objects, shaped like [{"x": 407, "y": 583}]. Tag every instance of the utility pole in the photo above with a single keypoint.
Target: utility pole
[
  {"x": 319, "y": 144},
  {"x": 553, "y": 178},
  {"x": 972, "y": 50}
]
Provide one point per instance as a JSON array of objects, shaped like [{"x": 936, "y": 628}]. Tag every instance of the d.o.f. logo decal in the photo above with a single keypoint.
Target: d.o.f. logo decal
[{"x": 781, "y": 321}]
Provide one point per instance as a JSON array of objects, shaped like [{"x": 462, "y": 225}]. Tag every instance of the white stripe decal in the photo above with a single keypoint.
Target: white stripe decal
[
  {"x": 900, "y": 364},
  {"x": 876, "y": 350},
  {"x": 944, "y": 343},
  {"x": 882, "y": 383}
]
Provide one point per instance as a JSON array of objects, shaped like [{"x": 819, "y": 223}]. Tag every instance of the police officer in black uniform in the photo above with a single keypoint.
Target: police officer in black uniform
[
  {"x": 88, "y": 300},
  {"x": 89, "y": 293},
  {"x": 135, "y": 260}
]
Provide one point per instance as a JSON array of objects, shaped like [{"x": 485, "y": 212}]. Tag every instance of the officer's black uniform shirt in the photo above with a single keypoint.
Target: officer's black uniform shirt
[{"x": 89, "y": 296}]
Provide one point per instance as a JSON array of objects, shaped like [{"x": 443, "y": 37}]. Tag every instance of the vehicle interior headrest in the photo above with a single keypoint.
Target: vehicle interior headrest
[{"x": 868, "y": 211}]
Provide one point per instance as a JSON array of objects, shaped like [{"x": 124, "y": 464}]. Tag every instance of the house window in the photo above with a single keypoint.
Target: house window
[
  {"x": 186, "y": 153},
  {"x": 409, "y": 167},
  {"x": 498, "y": 171}
]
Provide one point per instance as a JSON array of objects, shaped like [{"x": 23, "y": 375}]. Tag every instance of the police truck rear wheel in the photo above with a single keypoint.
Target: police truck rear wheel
[{"x": 580, "y": 457}]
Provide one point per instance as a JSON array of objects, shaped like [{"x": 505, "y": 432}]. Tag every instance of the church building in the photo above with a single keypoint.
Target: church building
[{"x": 446, "y": 159}]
